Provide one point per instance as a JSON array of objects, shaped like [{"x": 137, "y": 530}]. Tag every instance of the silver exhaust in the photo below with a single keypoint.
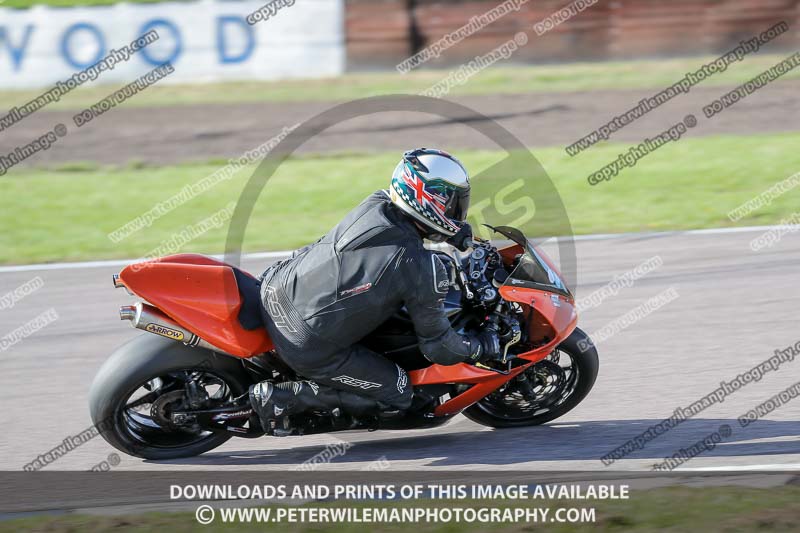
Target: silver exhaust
[
  {"x": 151, "y": 319},
  {"x": 127, "y": 312},
  {"x": 119, "y": 285}
]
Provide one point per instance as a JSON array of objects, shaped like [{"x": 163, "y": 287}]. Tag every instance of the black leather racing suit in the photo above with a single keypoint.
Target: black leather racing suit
[{"x": 322, "y": 301}]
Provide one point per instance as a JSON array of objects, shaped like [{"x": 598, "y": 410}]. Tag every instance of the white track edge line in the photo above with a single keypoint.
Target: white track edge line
[{"x": 279, "y": 254}]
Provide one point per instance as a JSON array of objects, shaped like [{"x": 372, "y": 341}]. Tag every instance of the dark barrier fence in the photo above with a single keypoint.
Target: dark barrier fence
[{"x": 382, "y": 33}]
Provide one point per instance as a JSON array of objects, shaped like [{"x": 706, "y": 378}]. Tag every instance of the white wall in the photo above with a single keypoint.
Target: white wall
[{"x": 206, "y": 40}]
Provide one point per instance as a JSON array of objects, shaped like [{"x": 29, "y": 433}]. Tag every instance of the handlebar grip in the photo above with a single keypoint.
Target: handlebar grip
[{"x": 462, "y": 240}]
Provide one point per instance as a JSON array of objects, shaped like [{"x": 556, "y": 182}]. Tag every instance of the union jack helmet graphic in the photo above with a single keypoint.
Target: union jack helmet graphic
[{"x": 432, "y": 186}]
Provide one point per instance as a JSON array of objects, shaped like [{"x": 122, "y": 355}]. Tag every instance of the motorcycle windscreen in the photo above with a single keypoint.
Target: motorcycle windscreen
[{"x": 532, "y": 270}]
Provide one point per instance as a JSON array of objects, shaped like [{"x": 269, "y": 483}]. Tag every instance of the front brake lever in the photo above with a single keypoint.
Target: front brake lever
[
  {"x": 497, "y": 370},
  {"x": 514, "y": 340}
]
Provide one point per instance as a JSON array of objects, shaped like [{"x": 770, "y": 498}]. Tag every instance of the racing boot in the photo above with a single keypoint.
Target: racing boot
[{"x": 275, "y": 402}]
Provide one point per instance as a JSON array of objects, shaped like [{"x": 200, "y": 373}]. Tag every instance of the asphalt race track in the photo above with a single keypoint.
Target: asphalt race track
[
  {"x": 186, "y": 133},
  {"x": 734, "y": 308}
]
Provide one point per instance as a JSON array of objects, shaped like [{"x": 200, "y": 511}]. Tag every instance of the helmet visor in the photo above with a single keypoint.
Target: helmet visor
[{"x": 457, "y": 203}]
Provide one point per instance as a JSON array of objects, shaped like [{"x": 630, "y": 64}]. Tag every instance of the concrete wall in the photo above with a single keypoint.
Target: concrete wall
[{"x": 204, "y": 40}]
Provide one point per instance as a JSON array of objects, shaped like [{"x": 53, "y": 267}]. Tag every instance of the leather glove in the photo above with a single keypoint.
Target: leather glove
[
  {"x": 462, "y": 240},
  {"x": 489, "y": 342}
]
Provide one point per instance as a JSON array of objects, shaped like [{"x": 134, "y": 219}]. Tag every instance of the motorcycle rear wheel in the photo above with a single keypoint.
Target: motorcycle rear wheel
[
  {"x": 557, "y": 388},
  {"x": 157, "y": 369}
]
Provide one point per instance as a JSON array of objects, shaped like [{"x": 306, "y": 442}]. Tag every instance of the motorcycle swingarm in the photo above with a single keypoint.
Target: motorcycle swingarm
[{"x": 216, "y": 420}]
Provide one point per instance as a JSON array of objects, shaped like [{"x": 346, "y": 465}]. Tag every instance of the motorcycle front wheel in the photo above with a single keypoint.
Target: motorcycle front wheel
[
  {"x": 545, "y": 391},
  {"x": 132, "y": 395}
]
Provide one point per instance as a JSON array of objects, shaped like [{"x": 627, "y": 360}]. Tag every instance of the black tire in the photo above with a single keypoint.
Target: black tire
[
  {"x": 587, "y": 364},
  {"x": 135, "y": 363}
]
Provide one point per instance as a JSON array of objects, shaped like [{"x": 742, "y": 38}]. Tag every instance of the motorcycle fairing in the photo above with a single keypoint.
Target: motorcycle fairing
[
  {"x": 201, "y": 294},
  {"x": 554, "y": 323}
]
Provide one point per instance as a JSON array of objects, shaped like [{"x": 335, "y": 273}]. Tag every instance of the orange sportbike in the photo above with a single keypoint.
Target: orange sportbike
[{"x": 181, "y": 389}]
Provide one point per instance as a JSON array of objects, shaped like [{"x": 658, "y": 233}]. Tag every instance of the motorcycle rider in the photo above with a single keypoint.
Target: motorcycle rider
[{"x": 321, "y": 302}]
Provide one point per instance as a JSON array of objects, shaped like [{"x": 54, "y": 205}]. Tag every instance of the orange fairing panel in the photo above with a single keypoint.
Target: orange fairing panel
[
  {"x": 188, "y": 259},
  {"x": 554, "y": 309},
  {"x": 485, "y": 381},
  {"x": 201, "y": 294},
  {"x": 557, "y": 310},
  {"x": 461, "y": 373}
]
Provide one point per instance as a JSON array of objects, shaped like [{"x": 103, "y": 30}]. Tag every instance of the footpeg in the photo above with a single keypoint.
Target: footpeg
[{"x": 281, "y": 427}]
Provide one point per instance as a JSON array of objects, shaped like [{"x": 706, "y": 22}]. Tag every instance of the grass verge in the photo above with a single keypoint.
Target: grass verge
[
  {"x": 517, "y": 79},
  {"x": 25, "y": 4},
  {"x": 67, "y": 214},
  {"x": 731, "y": 509}
]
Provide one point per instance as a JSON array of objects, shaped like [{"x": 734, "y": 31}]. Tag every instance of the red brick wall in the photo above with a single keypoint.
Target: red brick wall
[{"x": 380, "y": 32}]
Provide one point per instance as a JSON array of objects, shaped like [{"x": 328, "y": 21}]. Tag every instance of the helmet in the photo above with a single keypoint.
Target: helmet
[{"x": 432, "y": 187}]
